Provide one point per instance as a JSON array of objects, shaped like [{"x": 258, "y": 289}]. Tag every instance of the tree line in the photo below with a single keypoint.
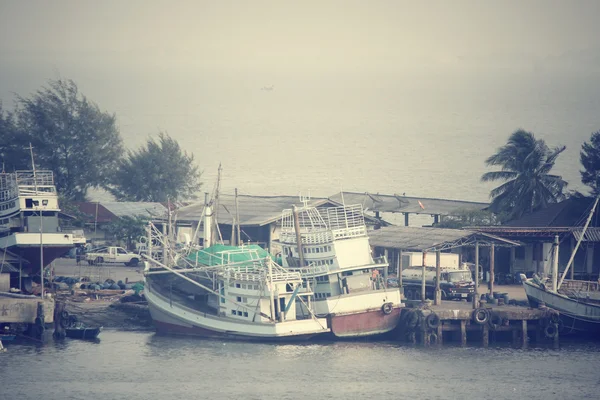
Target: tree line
[
  {"x": 526, "y": 172},
  {"x": 82, "y": 145}
]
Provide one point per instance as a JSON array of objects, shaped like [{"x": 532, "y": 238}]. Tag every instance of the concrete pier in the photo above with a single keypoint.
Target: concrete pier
[{"x": 459, "y": 322}]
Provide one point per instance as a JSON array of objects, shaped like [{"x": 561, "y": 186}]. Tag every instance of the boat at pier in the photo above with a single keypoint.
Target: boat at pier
[
  {"x": 235, "y": 292},
  {"x": 578, "y": 302},
  {"x": 329, "y": 248}
]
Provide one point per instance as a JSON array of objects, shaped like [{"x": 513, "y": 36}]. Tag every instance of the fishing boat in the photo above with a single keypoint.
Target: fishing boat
[
  {"x": 578, "y": 302},
  {"x": 329, "y": 248},
  {"x": 82, "y": 332},
  {"x": 234, "y": 292}
]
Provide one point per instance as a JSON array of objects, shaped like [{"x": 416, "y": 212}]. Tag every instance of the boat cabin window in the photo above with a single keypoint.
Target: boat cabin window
[
  {"x": 237, "y": 285},
  {"x": 233, "y": 312},
  {"x": 245, "y": 313}
]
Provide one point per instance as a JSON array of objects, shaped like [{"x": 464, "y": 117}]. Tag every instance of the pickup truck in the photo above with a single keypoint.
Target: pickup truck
[{"x": 112, "y": 255}]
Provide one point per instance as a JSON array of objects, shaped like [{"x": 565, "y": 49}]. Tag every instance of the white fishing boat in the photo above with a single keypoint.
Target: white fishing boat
[
  {"x": 330, "y": 249},
  {"x": 235, "y": 292},
  {"x": 578, "y": 302}
]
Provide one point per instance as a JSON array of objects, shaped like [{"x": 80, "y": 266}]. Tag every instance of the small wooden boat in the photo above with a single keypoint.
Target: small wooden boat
[
  {"x": 7, "y": 337},
  {"x": 82, "y": 332}
]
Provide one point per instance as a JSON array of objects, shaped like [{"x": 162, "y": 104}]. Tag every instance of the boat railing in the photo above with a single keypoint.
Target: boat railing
[
  {"x": 37, "y": 178},
  {"x": 308, "y": 237},
  {"x": 581, "y": 286},
  {"x": 262, "y": 276},
  {"x": 346, "y": 233},
  {"x": 311, "y": 271},
  {"x": 344, "y": 217}
]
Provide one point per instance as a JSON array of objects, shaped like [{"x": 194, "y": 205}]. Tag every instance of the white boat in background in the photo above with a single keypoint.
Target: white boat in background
[
  {"x": 235, "y": 292},
  {"x": 29, "y": 219},
  {"x": 578, "y": 302},
  {"x": 330, "y": 249}
]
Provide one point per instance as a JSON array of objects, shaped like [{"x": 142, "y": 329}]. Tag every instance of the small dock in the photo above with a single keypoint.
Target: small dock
[{"x": 456, "y": 321}]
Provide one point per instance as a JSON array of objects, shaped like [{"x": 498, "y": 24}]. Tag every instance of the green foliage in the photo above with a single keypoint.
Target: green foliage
[
  {"x": 128, "y": 229},
  {"x": 157, "y": 172},
  {"x": 464, "y": 218},
  {"x": 590, "y": 160},
  {"x": 13, "y": 151},
  {"x": 525, "y": 167},
  {"x": 70, "y": 136}
]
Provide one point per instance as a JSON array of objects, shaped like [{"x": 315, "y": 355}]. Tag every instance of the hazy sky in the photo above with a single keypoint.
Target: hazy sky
[
  {"x": 404, "y": 77},
  {"x": 301, "y": 35}
]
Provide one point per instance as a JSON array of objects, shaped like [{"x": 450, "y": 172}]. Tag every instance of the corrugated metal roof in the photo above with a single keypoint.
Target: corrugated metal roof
[
  {"x": 252, "y": 210},
  {"x": 131, "y": 209},
  {"x": 415, "y": 238},
  {"x": 406, "y": 204},
  {"x": 591, "y": 234}
]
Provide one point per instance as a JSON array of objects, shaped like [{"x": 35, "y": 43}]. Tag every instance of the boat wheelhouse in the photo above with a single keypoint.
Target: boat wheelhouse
[{"x": 330, "y": 249}]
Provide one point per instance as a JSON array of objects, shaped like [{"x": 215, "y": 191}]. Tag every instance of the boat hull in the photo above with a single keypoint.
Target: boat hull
[
  {"x": 168, "y": 325},
  {"x": 173, "y": 318},
  {"x": 83, "y": 333},
  {"x": 361, "y": 324},
  {"x": 576, "y": 315}
]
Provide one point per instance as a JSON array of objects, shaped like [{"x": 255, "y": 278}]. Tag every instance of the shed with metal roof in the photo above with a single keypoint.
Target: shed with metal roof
[{"x": 381, "y": 203}]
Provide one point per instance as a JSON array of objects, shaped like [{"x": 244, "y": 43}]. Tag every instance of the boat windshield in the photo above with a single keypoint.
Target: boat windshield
[{"x": 459, "y": 276}]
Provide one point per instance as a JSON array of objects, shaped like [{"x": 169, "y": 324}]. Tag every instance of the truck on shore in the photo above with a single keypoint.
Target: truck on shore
[
  {"x": 112, "y": 255},
  {"x": 456, "y": 280}
]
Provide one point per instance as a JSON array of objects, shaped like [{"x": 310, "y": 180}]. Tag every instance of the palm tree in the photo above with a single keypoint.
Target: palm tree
[{"x": 526, "y": 163}]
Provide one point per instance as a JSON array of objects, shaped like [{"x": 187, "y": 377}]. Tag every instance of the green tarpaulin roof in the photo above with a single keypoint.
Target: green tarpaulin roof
[{"x": 220, "y": 254}]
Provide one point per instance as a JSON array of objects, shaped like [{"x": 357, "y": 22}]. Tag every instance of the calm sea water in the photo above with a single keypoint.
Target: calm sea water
[
  {"x": 421, "y": 133},
  {"x": 142, "y": 365}
]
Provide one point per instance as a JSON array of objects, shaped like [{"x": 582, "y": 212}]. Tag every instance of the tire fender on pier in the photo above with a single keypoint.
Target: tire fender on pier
[
  {"x": 481, "y": 316},
  {"x": 432, "y": 321}
]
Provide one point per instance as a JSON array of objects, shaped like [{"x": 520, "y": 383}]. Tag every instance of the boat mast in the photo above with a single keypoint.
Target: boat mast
[
  {"x": 207, "y": 223},
  {"x": 555, "y": 265},
  {"x": 33, "y": 166},
  {"x": 237, "y": 220},
  {"x": 562, "y": 278},
  {"x": 41, "y": 224},
  {"x": 298, "y": 236}
]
